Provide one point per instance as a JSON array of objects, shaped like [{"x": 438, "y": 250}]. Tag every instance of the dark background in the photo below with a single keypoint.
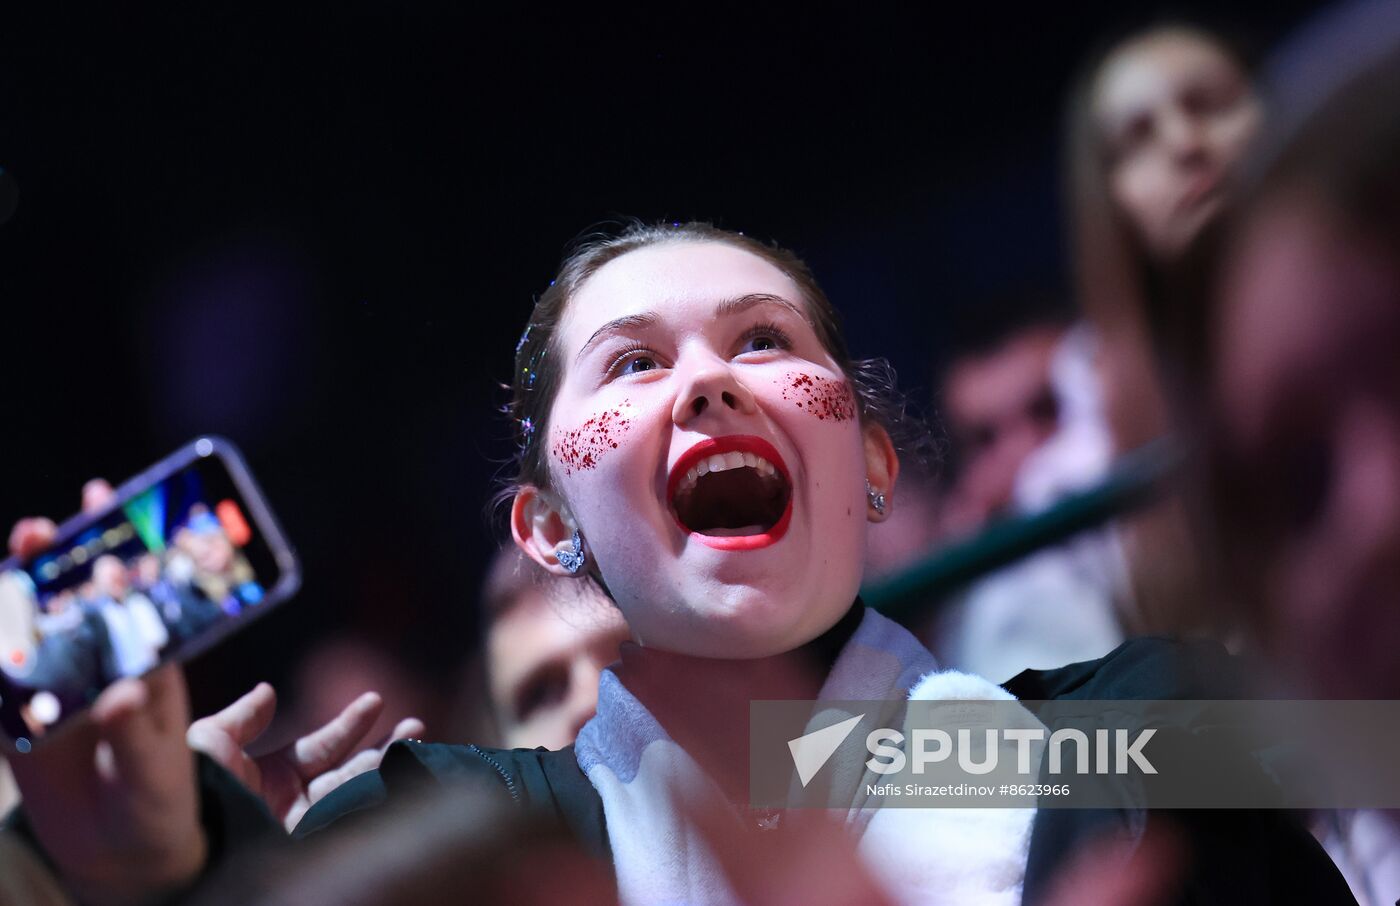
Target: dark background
[{"x": 319, "y": 233}]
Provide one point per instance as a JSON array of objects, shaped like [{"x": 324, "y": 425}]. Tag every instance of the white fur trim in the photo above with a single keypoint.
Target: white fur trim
[
  {"x": 963, "y": 856},
  {"x": 955, "y": 685}
]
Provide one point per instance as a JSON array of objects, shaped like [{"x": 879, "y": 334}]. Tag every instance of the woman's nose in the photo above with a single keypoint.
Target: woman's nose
[
  {"x": 1185, "y": 136},
  {"x": 712, "y": 385}
]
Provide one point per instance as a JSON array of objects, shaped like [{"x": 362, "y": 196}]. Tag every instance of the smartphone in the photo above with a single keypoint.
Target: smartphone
[{"x": 187, "y": 553}]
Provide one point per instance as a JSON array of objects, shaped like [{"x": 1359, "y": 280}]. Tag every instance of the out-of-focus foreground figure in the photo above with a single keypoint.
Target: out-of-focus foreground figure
[{"x": 1290, "y": 369}]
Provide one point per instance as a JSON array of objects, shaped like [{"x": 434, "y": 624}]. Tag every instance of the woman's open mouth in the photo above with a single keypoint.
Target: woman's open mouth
[{"x": 731, "y": 493}]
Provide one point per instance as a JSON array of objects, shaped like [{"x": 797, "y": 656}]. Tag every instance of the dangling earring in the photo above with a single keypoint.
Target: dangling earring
[
  {"x": 573, "y": 560},
  {"x": 876, "y": 500}
]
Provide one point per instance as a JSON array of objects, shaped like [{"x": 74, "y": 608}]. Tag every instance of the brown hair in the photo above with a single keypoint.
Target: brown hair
[
  {"x": 1117, "y": 280},
  {"x": 537, "y": 370}
]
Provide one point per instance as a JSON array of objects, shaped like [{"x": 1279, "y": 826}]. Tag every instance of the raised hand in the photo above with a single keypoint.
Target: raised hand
[
  {"x": 112, "y": 797},
  {"x": 293, "y": 778}
]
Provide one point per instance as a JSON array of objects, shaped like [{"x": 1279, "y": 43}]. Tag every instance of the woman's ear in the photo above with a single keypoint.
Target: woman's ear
[
  {"x": 881, "y": 469},
  {"x": 541, "y": 528}
]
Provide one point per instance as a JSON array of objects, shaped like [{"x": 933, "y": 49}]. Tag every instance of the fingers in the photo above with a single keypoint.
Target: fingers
[
  {"x": 32, "y": 535},
  {"x": 241, "y": 722},
  {"x": 97, "y": 494},
  {"x": 35, "y": 534},
  {"x": 360, "y": 762},
  {"x": 322, "y": 749},
  {"x": 118, "y": 701},
  {"x": 225, "y": 735},
  {"x": 169, "y": 710},
  {"x": 205, "y": 737},
  {"x": 408, "y": 728},
  {"x": 141, "y": 722}
]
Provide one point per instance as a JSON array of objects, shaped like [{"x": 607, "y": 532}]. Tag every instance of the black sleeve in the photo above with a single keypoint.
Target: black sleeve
[
  {"x": 408, "y": 767},
  {"x": 1145, "y": 667},
  {"x": 357, "y": 794},
  {"x": 1230, "y": 857},
  {"x": 545, "y": 788},
  {"x": 1235, "y": 857}
]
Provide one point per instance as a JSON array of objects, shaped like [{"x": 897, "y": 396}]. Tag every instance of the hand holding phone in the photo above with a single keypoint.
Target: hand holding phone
[
  {"x": 166, "y": 566},
  {"x": 114, "y": 800}
]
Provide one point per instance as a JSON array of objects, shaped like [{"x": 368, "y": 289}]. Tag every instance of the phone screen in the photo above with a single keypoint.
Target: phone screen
[{"x": 187, "y": 551}]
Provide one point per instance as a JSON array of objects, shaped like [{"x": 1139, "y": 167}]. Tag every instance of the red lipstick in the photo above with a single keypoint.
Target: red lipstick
[{"x": 742, "y": 443}]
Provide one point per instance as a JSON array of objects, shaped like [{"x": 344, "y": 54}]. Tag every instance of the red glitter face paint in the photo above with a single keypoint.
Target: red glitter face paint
[
  {"x": 827, "y": 399},
  {"x": 583, "y": 447}
]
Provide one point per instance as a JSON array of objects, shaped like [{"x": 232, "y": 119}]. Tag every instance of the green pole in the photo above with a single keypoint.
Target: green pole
[{"x": 1133, "y": 480}]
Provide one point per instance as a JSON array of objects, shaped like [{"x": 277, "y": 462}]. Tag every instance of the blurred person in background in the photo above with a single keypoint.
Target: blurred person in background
[
  {"x": 999, "y": 407},
  {"x": 1157, "y": 122},
  {"x": 1013, "y": 387},
  {"x": 547, "y": 643},
  {"x": 533, "y": 682}
]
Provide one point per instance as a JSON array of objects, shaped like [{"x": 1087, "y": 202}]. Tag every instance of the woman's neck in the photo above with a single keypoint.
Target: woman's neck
[{"x": 703, "y": 703}]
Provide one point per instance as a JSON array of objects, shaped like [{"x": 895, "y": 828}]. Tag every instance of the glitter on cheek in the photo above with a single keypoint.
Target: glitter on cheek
[
  {"x": 583, "y": 447},
  {"x": 827, "y": 399}
]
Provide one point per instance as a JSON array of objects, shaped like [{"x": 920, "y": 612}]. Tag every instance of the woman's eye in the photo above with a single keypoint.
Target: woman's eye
[
  {"x": 1131, "y": 138},
  {"x": 637, "y": 365},
  {"x": 545, "y": 689},
  {"x": 764, "y": 338},
  {"x": 633, "y": 360},
  {"x": 1213, "y": 97}
]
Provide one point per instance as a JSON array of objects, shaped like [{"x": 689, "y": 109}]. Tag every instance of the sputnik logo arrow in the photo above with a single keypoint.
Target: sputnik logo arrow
[{"x": 812, "y": 751}]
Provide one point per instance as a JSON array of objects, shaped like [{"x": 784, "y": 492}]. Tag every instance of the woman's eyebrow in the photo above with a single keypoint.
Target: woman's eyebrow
[
  {"x": 744, "y": 303},
  {"x": 645, "y": 319},
  {"x": 725, "y": 308}
]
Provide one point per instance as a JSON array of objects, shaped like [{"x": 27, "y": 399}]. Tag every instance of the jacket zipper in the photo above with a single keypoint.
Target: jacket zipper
[{"x": 505, "y": 777}]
